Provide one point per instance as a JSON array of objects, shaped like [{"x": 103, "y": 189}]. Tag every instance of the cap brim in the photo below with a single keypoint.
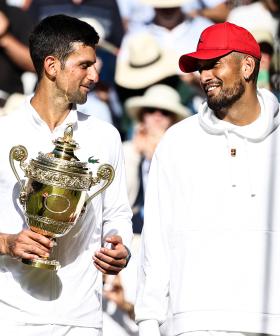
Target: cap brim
[{"x": 189, "y": 62}]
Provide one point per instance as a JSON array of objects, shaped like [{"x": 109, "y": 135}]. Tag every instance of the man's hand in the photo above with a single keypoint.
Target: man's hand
[
  {"x": 26, "y": 244},
  {"x": 111, "y": 261},
  {"x": 113, "y": 291}
]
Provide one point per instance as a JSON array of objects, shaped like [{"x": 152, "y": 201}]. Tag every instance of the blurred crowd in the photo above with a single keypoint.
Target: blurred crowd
[{"x": 141, "y": 90}]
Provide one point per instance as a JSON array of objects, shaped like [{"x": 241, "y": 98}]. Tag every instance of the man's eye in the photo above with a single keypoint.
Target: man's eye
[
  {"x": 214, "y": 64},
  {"x": 83, "y": 66}
]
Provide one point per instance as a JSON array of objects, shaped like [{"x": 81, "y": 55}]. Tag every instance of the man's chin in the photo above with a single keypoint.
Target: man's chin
[
  {"x": 213, "y": 104},
  {"x": 81, "y": 100}
]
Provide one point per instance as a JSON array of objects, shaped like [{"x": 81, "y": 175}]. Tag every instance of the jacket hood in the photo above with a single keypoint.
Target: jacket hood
[{"x": 257, "y": 131}]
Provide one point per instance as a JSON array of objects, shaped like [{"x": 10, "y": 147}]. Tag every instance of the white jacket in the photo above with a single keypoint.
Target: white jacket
[
  {"x": 72, "y": 295},
  {"x": 211, "y": 238}
]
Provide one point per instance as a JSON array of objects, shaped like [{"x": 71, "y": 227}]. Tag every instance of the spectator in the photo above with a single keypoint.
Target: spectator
[
  {"x": 173, "y": 31},
  {"x": 262, "y": 16},
  {"x": 105, "y": 12},
  {"x": 266, "y": 44},
  {"x": 170, "y": 26},
  {"x": 214, "y": 10},
  {"x": 136, "y": 71},
  {"x": 154, "y": 112},
  {"x": 258, "y": 15},
  {"x": 15, "y": 26},
  {"x": 135, "y": 14}
]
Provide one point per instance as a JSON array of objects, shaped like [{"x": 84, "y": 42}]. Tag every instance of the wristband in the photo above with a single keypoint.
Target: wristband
[{"x": 128, "y": 255}]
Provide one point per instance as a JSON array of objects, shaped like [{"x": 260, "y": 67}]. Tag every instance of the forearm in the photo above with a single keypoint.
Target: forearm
[
  {"x": 218, "y": 13},
  {"x": 17, "y": 52}
]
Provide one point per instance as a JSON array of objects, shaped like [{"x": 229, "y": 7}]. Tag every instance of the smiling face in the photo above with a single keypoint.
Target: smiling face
[
  {"x": 222, "y": 81},
  {"x": 77, "y": 75}
]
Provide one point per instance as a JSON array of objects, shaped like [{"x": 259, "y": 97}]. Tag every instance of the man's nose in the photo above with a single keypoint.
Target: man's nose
[
  {"x": 93, "y": 74},
  {"x": 205, "y": 75}
]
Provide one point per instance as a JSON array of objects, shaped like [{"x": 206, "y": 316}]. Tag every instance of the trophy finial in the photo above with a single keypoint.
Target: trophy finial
[{"x": 68, "y": 133}]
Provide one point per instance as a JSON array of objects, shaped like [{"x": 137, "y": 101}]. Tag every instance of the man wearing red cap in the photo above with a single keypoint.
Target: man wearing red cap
[{"x": 211, "y": 237}]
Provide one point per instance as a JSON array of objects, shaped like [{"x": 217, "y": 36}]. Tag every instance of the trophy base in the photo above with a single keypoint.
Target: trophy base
[{"x": 52, "y": 265}]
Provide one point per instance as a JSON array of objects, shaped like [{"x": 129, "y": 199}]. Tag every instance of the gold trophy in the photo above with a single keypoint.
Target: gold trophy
[{"x": 54, "y": 196}]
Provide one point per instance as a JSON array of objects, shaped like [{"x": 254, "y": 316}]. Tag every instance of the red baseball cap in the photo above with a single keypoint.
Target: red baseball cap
[{"x": 218, "y": 40}]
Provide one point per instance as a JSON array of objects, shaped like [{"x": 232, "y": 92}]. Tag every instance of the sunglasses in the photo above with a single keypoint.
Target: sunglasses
[{"x": 151, "y": 110}]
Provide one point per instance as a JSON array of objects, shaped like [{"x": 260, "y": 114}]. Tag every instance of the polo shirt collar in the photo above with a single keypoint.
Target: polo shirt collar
[{"x": 72, "y": 118}]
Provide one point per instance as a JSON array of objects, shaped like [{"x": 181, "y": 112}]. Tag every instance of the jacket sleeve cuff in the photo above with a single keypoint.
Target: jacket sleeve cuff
[{"x": 148, "y": 328}]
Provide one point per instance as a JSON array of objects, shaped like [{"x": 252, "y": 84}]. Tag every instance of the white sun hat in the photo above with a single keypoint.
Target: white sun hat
[
  {"x": 157, "y": 96},
  {"x": 146, "y": 63},
  {"x": 262, "y": 36},
  {"x": 96, "y": 24},
  {"x": 164, "y": 3},
  {"x": 101, "y": 31}
]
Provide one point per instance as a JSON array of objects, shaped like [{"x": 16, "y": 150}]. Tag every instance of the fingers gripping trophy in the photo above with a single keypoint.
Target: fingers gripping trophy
[{"x": 54, "y": 196}]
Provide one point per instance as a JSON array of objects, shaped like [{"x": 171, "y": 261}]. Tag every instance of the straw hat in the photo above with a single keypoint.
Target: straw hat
[
  {"x": 158, "y": 96},
  {"x": 96, "y": 24},
  {"x": 101, "y": 31},
  {"x": 164, "y": 3},
  {"x": 146, "y": 64},
  {"x": 263, "y": 36}
]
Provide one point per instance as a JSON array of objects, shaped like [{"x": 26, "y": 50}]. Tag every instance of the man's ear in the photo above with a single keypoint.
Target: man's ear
[
  {"x": 50, "y": 66},
  {"x": 248, "y": 67}
]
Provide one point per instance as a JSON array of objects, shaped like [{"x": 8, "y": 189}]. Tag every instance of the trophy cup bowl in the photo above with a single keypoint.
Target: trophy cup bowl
[{"x": 54, "y": 196}]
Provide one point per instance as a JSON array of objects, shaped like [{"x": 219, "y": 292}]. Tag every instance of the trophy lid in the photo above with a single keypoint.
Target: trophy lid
[
  {"x": 66, "y": 145},
  {"x": 61, "y": 168},
  {"x": 63, "y": 158}
]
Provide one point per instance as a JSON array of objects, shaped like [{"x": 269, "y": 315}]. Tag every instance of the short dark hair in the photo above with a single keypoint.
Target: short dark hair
[
  {"x": 254, "y": 75},
  {"x": 55, "y": 36}
]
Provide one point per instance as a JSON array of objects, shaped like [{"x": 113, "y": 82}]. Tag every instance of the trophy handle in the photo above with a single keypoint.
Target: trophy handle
[
  {"x": 105, "y": 172},
  {"x": 19, "y": 153}
]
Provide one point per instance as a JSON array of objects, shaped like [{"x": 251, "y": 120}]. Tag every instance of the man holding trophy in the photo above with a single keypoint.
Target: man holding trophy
[{"x": 68, "y": 210}]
